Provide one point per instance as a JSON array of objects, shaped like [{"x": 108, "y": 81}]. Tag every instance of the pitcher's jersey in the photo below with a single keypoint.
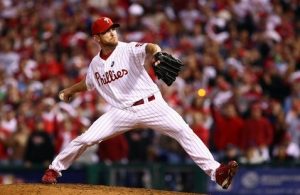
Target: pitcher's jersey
[{"x": 121, "y": 79}]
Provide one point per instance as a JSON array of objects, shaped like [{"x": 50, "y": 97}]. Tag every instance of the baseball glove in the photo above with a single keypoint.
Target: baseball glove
[{"x": 168, "y": 67}]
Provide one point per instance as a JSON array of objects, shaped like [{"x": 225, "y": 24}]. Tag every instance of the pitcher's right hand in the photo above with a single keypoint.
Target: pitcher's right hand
[{"x": 65, "y": 95}]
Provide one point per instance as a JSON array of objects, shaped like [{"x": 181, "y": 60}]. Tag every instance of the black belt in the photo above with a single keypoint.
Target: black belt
[{"x": 141, "y": 101}]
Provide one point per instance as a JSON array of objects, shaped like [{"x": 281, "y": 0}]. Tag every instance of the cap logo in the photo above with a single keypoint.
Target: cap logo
[{"x": 106, "y": 20}]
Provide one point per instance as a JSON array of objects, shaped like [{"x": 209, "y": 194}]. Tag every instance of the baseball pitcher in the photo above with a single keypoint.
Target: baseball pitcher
[{"x": 118, "y": 74}]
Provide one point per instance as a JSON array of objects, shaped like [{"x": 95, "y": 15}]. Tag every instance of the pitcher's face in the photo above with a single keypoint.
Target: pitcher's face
[{"x": 108, "y": 38}]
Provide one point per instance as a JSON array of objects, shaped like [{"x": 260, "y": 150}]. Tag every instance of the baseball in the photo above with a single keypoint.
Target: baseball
[{"x": 61, "y": 96}]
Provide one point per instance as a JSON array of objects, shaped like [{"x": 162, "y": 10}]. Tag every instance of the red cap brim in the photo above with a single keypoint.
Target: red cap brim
[{"x": 104, "y": 29}]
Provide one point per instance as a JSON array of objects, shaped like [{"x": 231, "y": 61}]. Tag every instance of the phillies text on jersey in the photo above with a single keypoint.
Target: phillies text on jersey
[{"x": 121, "y": 79}]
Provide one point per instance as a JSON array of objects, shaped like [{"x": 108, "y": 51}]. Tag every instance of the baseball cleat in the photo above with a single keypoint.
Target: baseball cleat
[
  {"x": 50, "y": 177},
  {"x": 225, "y": 173}
]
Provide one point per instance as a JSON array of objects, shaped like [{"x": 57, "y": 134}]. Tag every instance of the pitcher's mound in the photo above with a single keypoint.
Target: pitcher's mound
[{"x": 77, "y": 189}]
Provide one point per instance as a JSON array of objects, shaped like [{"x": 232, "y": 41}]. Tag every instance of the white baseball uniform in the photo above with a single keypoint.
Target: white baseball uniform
[{"x": 122, "y": 81}]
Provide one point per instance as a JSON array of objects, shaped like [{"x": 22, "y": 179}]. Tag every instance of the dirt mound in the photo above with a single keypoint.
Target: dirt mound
[{"x": 77, "y": 189}]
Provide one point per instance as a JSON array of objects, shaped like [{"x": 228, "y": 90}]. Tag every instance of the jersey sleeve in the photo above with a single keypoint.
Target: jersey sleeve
[
  {"x": 89, "y": 79},
  {"x": 139, "y": 51}
]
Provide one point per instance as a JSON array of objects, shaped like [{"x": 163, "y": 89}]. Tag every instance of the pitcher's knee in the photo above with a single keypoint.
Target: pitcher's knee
[
  {"x": 186, "y": 133},
  {"x": 182, "y": 131}
]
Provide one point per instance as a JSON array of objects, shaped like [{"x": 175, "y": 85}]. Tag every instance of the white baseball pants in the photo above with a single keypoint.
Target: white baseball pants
[{"x": 157, "y": 115}]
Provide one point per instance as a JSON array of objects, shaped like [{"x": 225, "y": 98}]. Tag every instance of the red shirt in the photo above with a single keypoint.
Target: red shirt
[
  {"x": 257, "y": 132},
  {"x": 227, "y": 130},
  {"x": 201, "y": 132},
  {"x": 114, "y": 149}
]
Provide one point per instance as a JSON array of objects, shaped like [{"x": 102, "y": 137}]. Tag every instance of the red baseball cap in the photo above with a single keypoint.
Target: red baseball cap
[{"x": 102, "y": 24}]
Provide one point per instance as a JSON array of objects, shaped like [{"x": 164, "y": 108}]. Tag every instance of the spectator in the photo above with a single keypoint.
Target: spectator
[
  {"x": 228, "y": 127},
  {"x": 39, "y": 147},
  {"x": 114, "y": 149},
  {"x": 9, "y": 121},
  {"x": 17, "y": 143},
  {"x": 257, "y": 134},
  {"x": 293, "y": 125},
  {"x": 139, "y": 141},
  {"x": 9, "y": 59},
  {"x": 276, "y": 117},
  {"x": 199, "y": 129},
  {"x": 286, "y": 150}
]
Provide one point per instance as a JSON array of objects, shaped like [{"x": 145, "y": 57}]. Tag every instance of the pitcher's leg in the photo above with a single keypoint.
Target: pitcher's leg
[
  {"x": 111, "y": 123},
  {"x": 159, "y": 116}
]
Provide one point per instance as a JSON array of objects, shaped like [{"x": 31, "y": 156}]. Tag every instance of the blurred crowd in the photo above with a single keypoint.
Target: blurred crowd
[{"x": 239, "y": 91}]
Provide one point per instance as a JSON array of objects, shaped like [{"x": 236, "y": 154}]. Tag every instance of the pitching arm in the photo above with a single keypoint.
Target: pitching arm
[{"x": 67, "y": 94}]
